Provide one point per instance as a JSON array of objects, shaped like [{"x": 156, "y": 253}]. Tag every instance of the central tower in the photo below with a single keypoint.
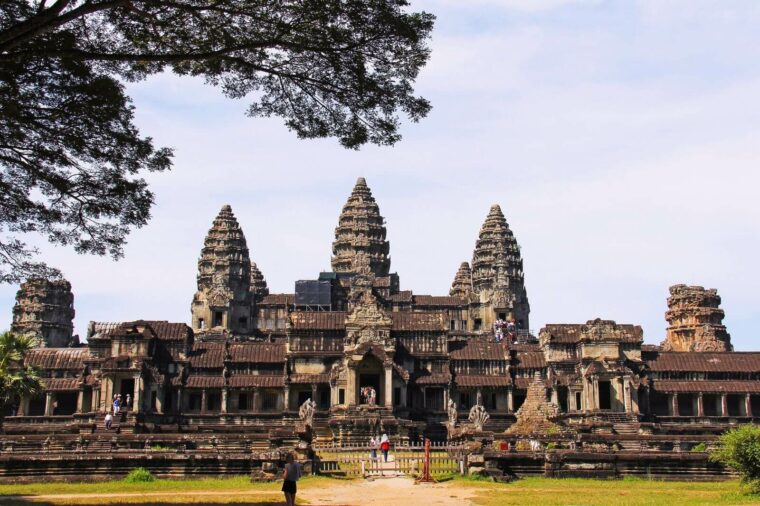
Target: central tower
[{"x": 361, "y": 232}]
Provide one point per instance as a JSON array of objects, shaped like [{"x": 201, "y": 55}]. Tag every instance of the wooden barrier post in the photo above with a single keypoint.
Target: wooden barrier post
[{"x": 426, "y": 478}]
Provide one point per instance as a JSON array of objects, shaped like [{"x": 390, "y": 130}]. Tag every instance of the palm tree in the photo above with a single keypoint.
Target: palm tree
[{"x": 15, "y": 379}]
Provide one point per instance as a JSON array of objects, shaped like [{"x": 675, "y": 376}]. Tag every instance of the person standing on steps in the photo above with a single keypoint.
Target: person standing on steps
[
  {"x": 373, "y": 448},
  {"x": 109, "y": 420},
  {"x": 291, "y": 476},
  {"x": 385, "y": 445}
]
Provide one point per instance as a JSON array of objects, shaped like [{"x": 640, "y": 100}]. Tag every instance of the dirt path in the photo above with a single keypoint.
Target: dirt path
[{"x": 393, "y": 491}]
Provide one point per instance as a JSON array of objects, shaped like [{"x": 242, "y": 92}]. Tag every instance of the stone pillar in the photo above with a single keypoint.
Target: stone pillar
[
  {"x": 594, "y": 404},
  {"x": 674, "y": 404},
  {"x": 403, "y": 396},
  {"x": 97, "y": 407},
  {"x": 160, "y": 398},
  {"x": 334, "y": 395},
  {"x": 723, "y": 405},
  {"x": 445, "y": 399},
  {"x": 700, "y": 404},
  {"x": 80, "y": 400},
  {"x": 424, "y": 397},
  {"x": 351, "y": 387},
  {"x": 203, "y": 401},
  {"x": 634, "y": 399},
  {"x": 224, "y": 400},
  {"x": 314, "y": 392},
  {"x": 137, "y": 396},
  {"x": 49, "y": 399},
  {"x": 180, "y": 399},
  {"x": 286, "y": 398},
  {"x": 388, "y": 387},
  {"x": 255, "y": 401},
  {"x": 479, "y": 396},
  {"x": 21, "y": 411},
  {"x": 555, "y": 397},
  {"x": 510, "y": 401},
  {"x": 747, "y": 405},
  {"x": 571, "y": 401}
]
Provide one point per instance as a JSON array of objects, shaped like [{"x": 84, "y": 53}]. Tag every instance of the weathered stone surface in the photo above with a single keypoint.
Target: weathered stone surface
[
  {"x": 45, "y": 309},
  {"x": 361, "y": 229},
  {"x": 497, "y": 269},
  {"x": 536, "y": 415},
  {"x": 259, "y": 288},
  {"x": 695, "y": 321}
]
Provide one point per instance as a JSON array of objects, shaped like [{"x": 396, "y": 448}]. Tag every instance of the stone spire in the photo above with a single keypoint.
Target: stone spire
[
  {"x": 45, "y": 309},
  {"x": 497, "y": 268},
  {"x": 259, "y": 288},
  {"x": 223, "y": 299},
  {"x": 361, "y": 229},
  {"x": 695, "y": 321},
  {"x": 462, "y": 285}
]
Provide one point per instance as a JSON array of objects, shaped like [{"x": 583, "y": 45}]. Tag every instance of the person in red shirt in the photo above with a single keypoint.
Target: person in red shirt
[{"x": 385, "y": 445}]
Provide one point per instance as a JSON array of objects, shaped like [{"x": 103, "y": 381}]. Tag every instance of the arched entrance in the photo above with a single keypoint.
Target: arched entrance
[{"x": 370, "y": 373}]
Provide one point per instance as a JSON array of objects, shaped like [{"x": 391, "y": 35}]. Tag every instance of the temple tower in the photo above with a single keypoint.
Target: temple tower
[
  {"x": 259, "y": 288},
  {"x": 45, "y": 309},
  {"x": 497, "y": 271},
  {"x": 361, "y": 229},
  {"x": 223, "y": 300},
  {"x": 462, "y": 285},
  {"x": 695, "y": 321}
]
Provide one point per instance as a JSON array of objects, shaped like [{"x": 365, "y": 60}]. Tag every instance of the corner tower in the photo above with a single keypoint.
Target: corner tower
[
  {"x": 695, "y": 321},
  {"x": 361, "y": 232},
  {"x": 45, "y": 309},
  {"x": 223, "y": 300},
  {"x": 497, "y": 271}
]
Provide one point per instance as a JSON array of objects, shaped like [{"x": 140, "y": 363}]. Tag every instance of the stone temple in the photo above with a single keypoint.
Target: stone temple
[{"x": 251, "y": 362}]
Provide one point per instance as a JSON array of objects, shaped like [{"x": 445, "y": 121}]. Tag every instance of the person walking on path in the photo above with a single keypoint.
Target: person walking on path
[
  {"x": 385, "y": 445},
  {"x": 291, "y": 476},
  {"x": 109, "y": 421},
  {"x": 373, "y": 448},
  {"x": 116, "y": 405}
]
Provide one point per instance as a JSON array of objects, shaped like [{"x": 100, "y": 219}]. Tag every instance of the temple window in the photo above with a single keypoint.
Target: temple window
[
  {"x": 201, "y": 323},
  {"x": 243, "y": 322},
  {"x": 477, "y": 324},
  {"x": 452, "y": 325},
  {"x": 341, "y": 396},
  {"x": 218, "y": 318}
]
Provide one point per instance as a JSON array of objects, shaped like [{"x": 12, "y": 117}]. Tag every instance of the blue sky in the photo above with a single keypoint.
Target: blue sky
[{"x": 619, "y": 138}]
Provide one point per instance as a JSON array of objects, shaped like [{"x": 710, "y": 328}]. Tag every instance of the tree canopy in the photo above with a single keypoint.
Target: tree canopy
[
  {"x": 739, "y": 449},
  {"x": 15, "y": 379},
  {"x": 71, "y": 158}
]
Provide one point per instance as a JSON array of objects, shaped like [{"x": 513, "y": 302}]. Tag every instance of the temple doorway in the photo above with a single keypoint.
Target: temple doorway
[
  {"x": 370, "y": 375},
  {"x": 126, "y": 386}
]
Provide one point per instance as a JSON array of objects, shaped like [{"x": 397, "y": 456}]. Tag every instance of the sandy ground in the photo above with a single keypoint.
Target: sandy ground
[{"x": 393, "y": 491}]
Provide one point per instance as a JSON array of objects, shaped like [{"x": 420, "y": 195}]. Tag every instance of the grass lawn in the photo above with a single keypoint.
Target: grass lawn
[{"x": 627, "y": 492}]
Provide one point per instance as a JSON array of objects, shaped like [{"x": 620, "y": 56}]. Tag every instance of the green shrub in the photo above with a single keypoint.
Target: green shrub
[
  {"x": 139, "y": 475},
  {"x": 551, "y": 446},
  {"x": 700, "y": 447},
  {"x": 739, "y": 449}
]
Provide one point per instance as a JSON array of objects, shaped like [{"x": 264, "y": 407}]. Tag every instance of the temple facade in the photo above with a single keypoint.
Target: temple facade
[{"x": 250, "y": 359}]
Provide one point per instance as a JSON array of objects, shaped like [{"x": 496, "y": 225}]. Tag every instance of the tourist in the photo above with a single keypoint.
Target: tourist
[
  {"x": 372, "y": 396},
  {"x": 116, "y": 405},
  {"x": 292, "y": 473},
  {"x": 385, "y": 445},
  {"x": 128, "y": 404},
  {"x": 373, "y": 448},
  {"x": 109, "y": 421}
]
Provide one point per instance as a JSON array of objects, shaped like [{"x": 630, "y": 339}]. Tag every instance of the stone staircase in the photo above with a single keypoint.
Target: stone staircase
[{"x": 123, "y": 423}]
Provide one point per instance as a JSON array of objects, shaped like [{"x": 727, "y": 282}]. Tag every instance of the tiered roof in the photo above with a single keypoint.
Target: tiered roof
[
  {"x": 496, "y": 262},
  {"x": 462, "y": 285}
]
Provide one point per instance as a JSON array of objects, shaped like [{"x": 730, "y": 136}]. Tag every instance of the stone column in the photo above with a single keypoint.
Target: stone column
[
  {"x": 49, "y": 399},
  {"x": 403, "y": 396},
  {"x": 595, "y": 396},
  {"x": 627, "y": 394},
  {"x": 97, "y": 407},
  {"x": 351, "y": 387},
  {"x": 203, "y": 401},
  {"x": 286, "y": 398},
  {"x": 160, "y": 398},
  {"x": 700, "y": 404},
  {"x": 479, "y": 396},
  {"x": 180, "y": 400},
  {"x": 674, "y": 404},
  {"x": 333, "y": 395},
  {"x": 723, "y": 405},
  {"x": 571, "y": 401},
  {"x": 314, "y": 392},
  {"x": 424, "y": 397},
  {"x": 224, "y": 400},
  {"x": 445, "y": 398},
  {"x": 634, "y": 400},
  {"x": 137, "y": 397},
  {"x": 747, "y": 405},
  {"x": 510, "y": 401},
  {"x": 80, "y": 400},
  {"x": 255, "y": 401},
  {"x": 388, "y": 387},
  {"x": 21, "y": 411}
]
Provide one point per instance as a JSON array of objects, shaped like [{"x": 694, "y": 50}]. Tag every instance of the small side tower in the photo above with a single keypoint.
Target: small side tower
[
  {"x": 695, "y": 321},
  {"x": 45, "y": 309},
  {"x": 462, "y": 285},
  {"x": 223, "y": 300}
]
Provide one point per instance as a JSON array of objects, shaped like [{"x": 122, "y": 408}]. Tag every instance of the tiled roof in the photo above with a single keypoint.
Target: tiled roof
[
  {"x": 207, "y": 355},
  {"x": 278, "y": 299},
  {"x": 525, "y": 347},
  {"x": 440, "y": 301},
  {"x": 477, "y": 349},
  {"x": 706, "y": 362},
  {"x": 524, "y": 383},
  {"x": 204, "y": 381},
  {"x": 436, "y": 378},
  {"x": 422, "y": 320},
  {"x": 318, "y": 320},
  {"x": 161, "y": 328},
  {"x": 693, "y": 386},
  {"x": 61, "y": 384},
  {"x": 262, "y": 353},
  {"x": 482, "y": 380},
  {"x": 530, "y": 359},
  {"x": 563, "y": 332},
  {"x": 57, "y": 358},
  {"x": 402, "y": 296},
  {"x": 256, "y": 380},
  {"x": 310, "y": 378}
]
